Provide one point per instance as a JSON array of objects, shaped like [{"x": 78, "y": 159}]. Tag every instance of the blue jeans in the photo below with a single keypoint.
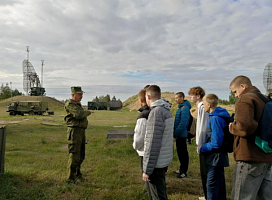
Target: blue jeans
[
  {"x": 251, "y": 180},
  {"x": 216, "y": 186}
]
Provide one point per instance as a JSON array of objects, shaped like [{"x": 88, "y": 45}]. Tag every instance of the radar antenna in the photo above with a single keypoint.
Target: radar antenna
[
  {"x": 267, "y": 79},
  {"x": 31, "y": 78}
]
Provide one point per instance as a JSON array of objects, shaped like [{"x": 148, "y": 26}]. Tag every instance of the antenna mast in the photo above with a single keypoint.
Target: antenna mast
[
  {"x": 42, "y": 74},
  {"x": 27, "y": 67},
  {"x": 267, "y": 79}
]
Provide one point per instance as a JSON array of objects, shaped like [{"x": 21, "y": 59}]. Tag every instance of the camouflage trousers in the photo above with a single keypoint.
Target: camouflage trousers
[{"x": 76, "y": 147}]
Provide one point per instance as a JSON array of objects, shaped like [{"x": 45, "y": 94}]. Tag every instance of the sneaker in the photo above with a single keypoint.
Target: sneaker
[
  {"x": 177, "y": 171},
  {"x": 182, "y": 175},
  {"x": 201, "y": 198}
]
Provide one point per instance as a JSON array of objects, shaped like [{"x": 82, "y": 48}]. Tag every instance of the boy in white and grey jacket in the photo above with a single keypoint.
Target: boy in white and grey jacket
[{"x": 158, "y": 143}]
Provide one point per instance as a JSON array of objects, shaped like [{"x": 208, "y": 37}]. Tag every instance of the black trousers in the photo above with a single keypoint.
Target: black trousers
[
  {"x": 156, "y": 187},
  {"x": 183, "y": 154}
]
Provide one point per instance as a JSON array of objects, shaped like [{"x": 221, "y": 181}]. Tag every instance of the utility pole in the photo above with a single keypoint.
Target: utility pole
[
  {"x": 42, "y": 81},
  {"x": 42, "y": 74},
  {"x": 11, "y": 91}
]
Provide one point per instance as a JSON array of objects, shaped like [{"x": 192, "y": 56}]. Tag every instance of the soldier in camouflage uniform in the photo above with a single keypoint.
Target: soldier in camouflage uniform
[{"x": 76, "y": 120}]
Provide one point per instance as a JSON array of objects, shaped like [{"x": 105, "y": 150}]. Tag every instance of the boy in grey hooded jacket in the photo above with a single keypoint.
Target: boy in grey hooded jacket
[{"x": 158, "y": 143}]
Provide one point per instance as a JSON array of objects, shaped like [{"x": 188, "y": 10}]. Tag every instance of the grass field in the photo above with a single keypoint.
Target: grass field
[{"x": 36, "y": 160}]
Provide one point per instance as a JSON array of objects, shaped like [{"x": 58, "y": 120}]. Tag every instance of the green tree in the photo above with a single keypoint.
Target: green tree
[
  {"x": 107, "y": 98},
  {"x": 232, "y": 98},
  {"x": 96, "y": 99},
  {"x": 5, "y": 92}
]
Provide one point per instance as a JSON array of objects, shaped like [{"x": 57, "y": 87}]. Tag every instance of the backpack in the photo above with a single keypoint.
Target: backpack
[
  {"x": 264, "y": 140},
  {"x": 228, "y": 139},
  {"x": 191, "y": 128}
]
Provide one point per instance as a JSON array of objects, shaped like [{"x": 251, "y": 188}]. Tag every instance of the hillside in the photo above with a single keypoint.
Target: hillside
[
  {"x": 53, "y": 103},
  {"x": 133, "y": 104}
]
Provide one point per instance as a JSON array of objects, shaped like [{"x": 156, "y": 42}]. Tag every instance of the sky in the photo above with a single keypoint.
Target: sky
[{"x": 117, "y": 47}]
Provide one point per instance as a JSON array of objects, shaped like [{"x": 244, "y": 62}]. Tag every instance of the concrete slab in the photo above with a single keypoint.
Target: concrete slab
[{"x": 115, "y": 134}]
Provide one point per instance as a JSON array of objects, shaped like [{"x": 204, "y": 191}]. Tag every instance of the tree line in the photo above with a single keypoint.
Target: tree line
[
  {"x": 6, "y": 92},
  {"x": 106, "y": 98},
  {"x": 232, "y": 99}
]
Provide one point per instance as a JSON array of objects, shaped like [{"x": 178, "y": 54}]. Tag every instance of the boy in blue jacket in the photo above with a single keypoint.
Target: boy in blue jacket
[
  {"x": 216, "y": 158},
  {"x": 182, "y": 119}
]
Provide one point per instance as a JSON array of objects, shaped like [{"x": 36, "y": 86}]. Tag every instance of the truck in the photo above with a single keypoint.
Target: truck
[{"x": 28, "y": 107}]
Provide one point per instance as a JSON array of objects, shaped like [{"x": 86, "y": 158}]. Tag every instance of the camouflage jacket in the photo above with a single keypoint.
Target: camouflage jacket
[{"x": 76, "y": 115}]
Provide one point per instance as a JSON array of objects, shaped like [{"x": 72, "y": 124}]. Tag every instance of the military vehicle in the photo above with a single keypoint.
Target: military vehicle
[
  {"x": 115, "y": 105},
  {"x": 111, "y": 105},
  {"x": 92, "y": 105},
  {"x": 102, "y": 106},
  {"x": 28, "y": 107}
]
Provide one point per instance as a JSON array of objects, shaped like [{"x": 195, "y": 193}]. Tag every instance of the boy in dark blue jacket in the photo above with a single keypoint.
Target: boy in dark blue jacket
[
  {"x": 216, "y": 158},
  {"x": 182, "y": 119}
]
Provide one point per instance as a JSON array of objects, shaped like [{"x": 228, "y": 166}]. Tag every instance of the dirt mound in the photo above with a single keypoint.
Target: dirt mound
[
  {"x": 52, "y": 102},
  {"x": 133, "y": 104}
]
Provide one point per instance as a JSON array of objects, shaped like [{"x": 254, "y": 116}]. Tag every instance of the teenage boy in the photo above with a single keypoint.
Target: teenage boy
[
  {"x": 181, "y": 122},
  {"x": 140, "y": 128},
  {"x": 196, "y": 96},
  {"x": 252, "y": 177},
  {"x": 158, "y": 143},
  {"x": 216, "y": 158}
]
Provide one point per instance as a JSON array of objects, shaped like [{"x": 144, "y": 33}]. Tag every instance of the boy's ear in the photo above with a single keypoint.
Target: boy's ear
[
  {"x": 148, "y": 96},
  {"x": 141, "y": 100},
  {"x": 243, "y": 86}
]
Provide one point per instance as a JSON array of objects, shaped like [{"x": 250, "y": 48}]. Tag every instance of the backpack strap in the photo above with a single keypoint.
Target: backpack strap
[{"x": 265, "y": 99}]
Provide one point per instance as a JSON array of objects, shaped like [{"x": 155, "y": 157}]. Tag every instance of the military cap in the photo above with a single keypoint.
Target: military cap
[{"x": 76, "y": 89}]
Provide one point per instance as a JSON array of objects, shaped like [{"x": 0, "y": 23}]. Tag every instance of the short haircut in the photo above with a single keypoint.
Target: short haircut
[
  {"x": 154, "y": 91},
  {"x": 146, "y": 86},
  {"x": 180, "y": 94},
  {"x": 211, "y": 99},
  {"x": 141, "y": 95},
  {"x": 197, "y": 91},
  {"x": 238, "y": 80}
]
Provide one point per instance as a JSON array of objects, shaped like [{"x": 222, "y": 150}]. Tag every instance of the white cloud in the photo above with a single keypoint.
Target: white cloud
[{"x": 179, "y": 44}]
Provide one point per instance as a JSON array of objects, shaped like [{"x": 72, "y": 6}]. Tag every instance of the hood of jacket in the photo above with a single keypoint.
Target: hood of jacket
[
  {"x": 221, "y": 112},
  {"x": 161, "y": 102},
  {"x": 145, "y": 107}
]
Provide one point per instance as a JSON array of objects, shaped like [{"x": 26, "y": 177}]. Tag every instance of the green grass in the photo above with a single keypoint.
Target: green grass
[{"x": 36, "y": 160}]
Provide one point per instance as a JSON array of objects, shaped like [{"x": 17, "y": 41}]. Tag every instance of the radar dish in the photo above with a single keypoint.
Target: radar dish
[
  {"x": 267, "y": 78},
  {"x": 31, "y": 78}
]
